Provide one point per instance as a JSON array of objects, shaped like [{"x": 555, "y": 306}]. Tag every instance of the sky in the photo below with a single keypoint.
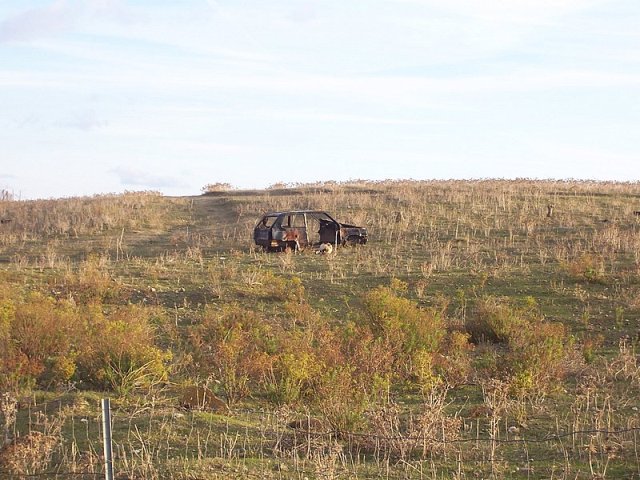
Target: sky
[{"x": 104, "y": 96}]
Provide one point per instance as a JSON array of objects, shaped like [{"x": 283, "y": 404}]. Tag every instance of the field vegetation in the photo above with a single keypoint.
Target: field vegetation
[{"x": 489, "y": 329}]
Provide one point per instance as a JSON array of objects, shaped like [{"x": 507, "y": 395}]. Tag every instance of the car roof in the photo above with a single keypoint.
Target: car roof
[{"x": 285, "y": 212}]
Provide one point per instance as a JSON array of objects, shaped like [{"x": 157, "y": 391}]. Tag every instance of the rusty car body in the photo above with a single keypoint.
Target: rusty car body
[{"x": 297, "y": 229}]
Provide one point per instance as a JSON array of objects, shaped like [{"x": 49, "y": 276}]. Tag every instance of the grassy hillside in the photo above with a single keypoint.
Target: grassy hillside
[{"x": 475, "y": 335}]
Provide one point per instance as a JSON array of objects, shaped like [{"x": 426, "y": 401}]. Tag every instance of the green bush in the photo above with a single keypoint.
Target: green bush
[
  {"x": 534, "y": 349},
  {"x": 454, "y": 362},
  {"x": 13, "y": 374},
  {"x": 119, "y": 351},
  {"x": 370, "y": 362},
  {"x": 233, "y": 345},
  {"x": 92, "y": 282},
  {"x": 409, "y": 333},
  {"x": 495, "y": 321},
  {"x": 339, "y": 396},
  {"x": 295, "y": 365},
  {"x": 268, "y": 286},
  {"x": 49, "y": 342},
  {"x": 42, "y": 338},
  {"x": 587, "y": 268}
]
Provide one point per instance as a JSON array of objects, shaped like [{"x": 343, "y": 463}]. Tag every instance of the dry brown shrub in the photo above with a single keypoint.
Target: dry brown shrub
[
  {"x": 8, "y": 408},
  {"x": 434, "y": 424},
  {"x": 625, "y": 365},
  {"x": 31, "y": 454},
  {"x": 92, "y": 282},
  {"x": 587, "y": 268},
  {"x": 217, "y": 187},
  {"x": 81, "y": 215},
  {"x": 393, "y": 434},
  {"x": 201, "y": 398},
  {"x": 454, "y": 363},
  {"x": 86, "y": 462},
  {"x": 310, "y": 439}
]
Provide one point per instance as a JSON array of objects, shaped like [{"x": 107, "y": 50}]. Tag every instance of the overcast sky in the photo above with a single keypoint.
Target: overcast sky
[{"x": 100, "y": 96}]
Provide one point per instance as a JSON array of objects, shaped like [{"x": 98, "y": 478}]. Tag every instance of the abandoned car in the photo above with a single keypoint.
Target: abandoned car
[{"x": 301, "y": 228}]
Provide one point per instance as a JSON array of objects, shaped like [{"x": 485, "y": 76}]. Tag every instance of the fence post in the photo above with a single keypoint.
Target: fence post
[{"x": 106, "y": 437}]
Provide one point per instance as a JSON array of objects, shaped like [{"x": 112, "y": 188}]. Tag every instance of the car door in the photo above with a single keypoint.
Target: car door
[
  {"x": 296, "y": 229},
  {"x": 262, "y": 231}
]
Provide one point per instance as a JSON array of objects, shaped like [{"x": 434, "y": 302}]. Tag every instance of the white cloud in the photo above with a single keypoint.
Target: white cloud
[
  {"x": 84, "y": 120},
  {"x": 129, "y": 176},
  {"x": 58, "y": 17},
  {"x": 301, "y": 115},
  {"x": 398, "y": 90},
  {"x": 304, "y": 12},
  {"x": 533, "y": 12},
  {"x": 37, "y": 22}
]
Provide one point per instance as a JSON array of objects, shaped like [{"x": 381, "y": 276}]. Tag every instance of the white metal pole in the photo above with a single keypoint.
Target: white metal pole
[{"x": 106, "y": 437}]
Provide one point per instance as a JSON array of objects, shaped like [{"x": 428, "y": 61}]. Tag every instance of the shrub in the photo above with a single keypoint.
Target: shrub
[
  {"x": 217, "y": 187},
  {"x": 268, "y": 286},
  {"x": 12, "y": 363},
  {"x": 232, "y": 345},
  {"x": 371, "y": 361},
  {"x": 393, "y": 434},
  {"x": 586, "y": 268},
  {"x": 282, "y": 288},
  {"x": 454, "y": 363},
  {"x": 49, "y": 342},
  {"x": 340, "y": 398},
  {"x": 590, "y": 345},
  {"x": 43, "y": 334},
  {"x": 92, "y": 283},
  {"x": 408, "y": 332},
  {"x": 537, "y": 363},
  {"x": 535, "y": 348},
  {"x": 494, "y": 321},
  {"x": 29, "y": 455},
  {"x": 119, "y": 350},
  {"x": 293, "y": 368},
  {"x": 291, "y": 372}
]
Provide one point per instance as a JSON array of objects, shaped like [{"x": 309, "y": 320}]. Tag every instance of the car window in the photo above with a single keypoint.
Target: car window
[
  {"x": 297, "y": 221},
  {"x": 267, "y": 222},
  {"x": 322, "y": 216}
]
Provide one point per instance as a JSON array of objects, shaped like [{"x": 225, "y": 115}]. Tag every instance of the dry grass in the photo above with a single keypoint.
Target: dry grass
[{"x": 463, "y": 410}]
